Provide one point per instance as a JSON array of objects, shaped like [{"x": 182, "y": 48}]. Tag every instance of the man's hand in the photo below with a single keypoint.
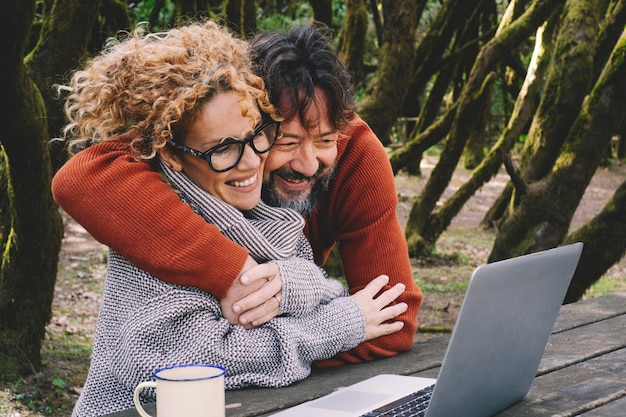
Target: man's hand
[{"x": 253, "y": 299}]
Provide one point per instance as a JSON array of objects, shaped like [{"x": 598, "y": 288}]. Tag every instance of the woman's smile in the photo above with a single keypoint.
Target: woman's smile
[{"x": 245, "y": 182}]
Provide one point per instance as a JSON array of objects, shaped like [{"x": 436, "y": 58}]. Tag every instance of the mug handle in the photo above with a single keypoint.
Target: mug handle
[{"x": 138, "y": 388}]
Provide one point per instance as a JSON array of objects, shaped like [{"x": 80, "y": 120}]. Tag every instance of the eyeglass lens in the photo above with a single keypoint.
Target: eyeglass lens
[{"x": 228, "y": 154}]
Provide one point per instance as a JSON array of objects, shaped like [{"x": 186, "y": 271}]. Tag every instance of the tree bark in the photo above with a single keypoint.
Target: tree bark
[
  {"x": 482, "y": 21},
  {"x": 605, "y": 245},
  {"x": 32, "y": 228},
  {"x": 378, "y": 23},
  {"x": 530, "y": 94},
  {"x": 114, "y": 16},
  {"x": 232, "y": 10},
  {"x": 542, "y": 219},
  {"x": 249, "y": 19},
  {"x": 66, "y": 31},
  {"x": 423, "y": 242},
  {"x": 435, "y": 133},
  {"x": 610, "y": 31},
  {"x": 382, "y": 106},
  {"x": 524, "y": 108},
  {"x": 429, "y": 56},
  {"x": 353, "y": 38},
  {"x": 323, "y": 11},
  {"x": 569, "y": 80},
  {"x": 439, "y": 57}
]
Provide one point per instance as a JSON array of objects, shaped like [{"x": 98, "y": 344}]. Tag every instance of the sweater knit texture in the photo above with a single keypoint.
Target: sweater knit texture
[{"x": 145, "y": 323}]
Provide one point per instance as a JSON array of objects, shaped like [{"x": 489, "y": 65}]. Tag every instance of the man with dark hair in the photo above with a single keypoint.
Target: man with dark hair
[
  {"x": 308, "y": 82},
  {"x": 328, "y": 165}
]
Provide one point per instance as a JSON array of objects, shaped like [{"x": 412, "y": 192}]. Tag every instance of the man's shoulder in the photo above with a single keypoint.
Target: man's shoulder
[
  {"x": 362, "y": 160},
  {"x": 359, "y": 143}
]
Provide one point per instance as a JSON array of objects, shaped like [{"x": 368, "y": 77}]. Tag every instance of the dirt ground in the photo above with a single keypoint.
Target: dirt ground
[{"x": 443, "y": 279}]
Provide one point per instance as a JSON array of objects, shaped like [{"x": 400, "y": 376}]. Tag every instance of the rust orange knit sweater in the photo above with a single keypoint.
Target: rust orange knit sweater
[{"x": 125, "y": 205}]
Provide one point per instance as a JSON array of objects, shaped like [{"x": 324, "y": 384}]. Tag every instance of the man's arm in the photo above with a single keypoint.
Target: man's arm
[
  {"x": 361, "y": 216},
  {"x": 124, "y": 204}
]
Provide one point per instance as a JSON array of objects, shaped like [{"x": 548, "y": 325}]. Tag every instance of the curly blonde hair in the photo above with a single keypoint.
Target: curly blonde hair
[{"x": 154, "y": 83}]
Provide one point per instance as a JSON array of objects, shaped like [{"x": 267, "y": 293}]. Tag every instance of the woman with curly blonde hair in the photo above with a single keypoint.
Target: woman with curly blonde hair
[
  {"x": 153, "y": 82},
  {"x": 188, "y": 101}
]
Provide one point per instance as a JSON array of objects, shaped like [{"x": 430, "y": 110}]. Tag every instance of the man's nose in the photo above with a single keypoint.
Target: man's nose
[{"x": 305, "y": 160}]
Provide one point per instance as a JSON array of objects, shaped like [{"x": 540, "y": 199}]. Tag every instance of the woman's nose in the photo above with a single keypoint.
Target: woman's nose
[{"x": 249, "y": 159}]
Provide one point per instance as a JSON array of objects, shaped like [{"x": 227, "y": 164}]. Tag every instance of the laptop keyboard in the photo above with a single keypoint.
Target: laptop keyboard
[{"x": 412, "y": 405}]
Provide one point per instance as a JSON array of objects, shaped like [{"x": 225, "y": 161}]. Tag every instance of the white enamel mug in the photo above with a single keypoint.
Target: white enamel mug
[{"x": 186, "y": 390}]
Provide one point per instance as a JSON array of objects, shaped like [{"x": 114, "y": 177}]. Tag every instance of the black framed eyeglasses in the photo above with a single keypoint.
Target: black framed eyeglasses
[{"x": 228, "y": 153}]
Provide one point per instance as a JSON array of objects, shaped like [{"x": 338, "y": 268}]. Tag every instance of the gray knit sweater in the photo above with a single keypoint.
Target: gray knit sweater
[{"x": 145, "y": 323}]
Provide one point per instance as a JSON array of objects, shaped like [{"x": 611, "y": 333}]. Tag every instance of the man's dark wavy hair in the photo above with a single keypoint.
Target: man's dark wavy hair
[{"x": 293, "y": 63}]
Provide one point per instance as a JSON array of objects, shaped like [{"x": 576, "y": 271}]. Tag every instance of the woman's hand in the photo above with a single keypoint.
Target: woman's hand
[
  {"x": 378, "y": 311},
  {"x": 254, "y": 297}
]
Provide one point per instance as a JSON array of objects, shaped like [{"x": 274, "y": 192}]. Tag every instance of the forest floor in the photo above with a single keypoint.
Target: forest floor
[{"x": 442, "y": 277}]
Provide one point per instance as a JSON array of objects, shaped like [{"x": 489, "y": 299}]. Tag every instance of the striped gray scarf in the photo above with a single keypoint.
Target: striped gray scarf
[{"x": 269, "y": 233}]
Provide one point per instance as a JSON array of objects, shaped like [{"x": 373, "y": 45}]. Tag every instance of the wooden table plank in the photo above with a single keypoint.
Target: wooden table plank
[
  {"x": 613, "y": 409},
  {"x": 591, "y": 385},
  {"x": 589, "y": 311},
  {"x": 582, "y": 343}
]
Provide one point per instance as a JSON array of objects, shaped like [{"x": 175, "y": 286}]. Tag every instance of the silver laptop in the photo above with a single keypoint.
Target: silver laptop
[{"x": 494, "y": 352}]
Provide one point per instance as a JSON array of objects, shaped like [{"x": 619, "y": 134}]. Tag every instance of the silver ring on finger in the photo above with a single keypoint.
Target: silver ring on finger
[{"x": 277, "y": 299}]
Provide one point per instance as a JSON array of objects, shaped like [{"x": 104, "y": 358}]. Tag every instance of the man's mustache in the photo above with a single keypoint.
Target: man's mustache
[{"x": 291, "y": 175}]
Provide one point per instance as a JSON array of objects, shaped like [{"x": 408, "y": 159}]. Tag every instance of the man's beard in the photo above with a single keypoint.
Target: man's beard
[{"x": 294, "y": 200}]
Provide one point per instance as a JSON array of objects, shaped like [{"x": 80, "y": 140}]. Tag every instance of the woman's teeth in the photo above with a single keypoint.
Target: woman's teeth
[{"x": 245, "y": 183}]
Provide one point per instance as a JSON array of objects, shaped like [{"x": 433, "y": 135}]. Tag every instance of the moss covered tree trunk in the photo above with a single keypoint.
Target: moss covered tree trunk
[
  {"x": 249, "y": 13},
  {"x": 569, "y": 79},
  {"x": 66, "y": 31},
  {"x": 353, "y": 39},
  {"x": 232, "y": 10},
  {"x": 396, "y": 60},
  {"x": 605, "y": 244},
  {"x": 31, "y": 224},
  {"x": 443, "y": 55},
  {"x": 429, "y": 55},
  {"x": 543, "y": 216},
  {"x": 241, "y": 16}
]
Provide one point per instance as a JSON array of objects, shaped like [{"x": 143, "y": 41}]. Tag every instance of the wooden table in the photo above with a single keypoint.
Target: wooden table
[{"x": 583, "y": 371}]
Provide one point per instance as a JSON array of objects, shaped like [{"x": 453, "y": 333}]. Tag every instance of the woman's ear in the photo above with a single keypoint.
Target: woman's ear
[{"x": 171, "y": 158}]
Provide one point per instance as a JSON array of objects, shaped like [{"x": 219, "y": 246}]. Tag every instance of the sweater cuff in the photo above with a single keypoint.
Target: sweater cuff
[{"x": 348, "y": 330}]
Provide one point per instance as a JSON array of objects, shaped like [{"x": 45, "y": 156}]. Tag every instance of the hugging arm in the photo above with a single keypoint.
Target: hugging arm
[
  {"x": 118, "y": 200},
  {"x": 145, "y": 324}
]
